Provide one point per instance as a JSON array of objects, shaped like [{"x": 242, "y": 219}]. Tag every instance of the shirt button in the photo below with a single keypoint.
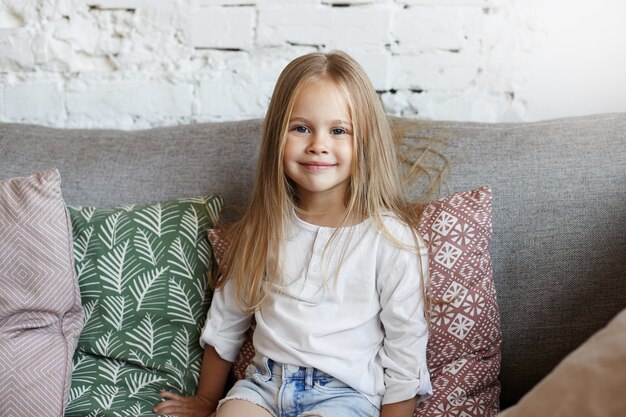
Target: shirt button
[
  {"x": 316, "y": 268},
  {"x": 319, "y": 251},
  {"x": 293, "y": 368}
]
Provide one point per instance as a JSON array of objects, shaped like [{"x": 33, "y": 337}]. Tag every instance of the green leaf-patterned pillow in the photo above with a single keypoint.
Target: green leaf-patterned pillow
[{"x": 142, "y": 272}]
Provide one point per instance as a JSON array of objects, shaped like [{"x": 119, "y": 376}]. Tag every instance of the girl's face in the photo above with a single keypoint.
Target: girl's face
[{"x": 318, "y": 148}]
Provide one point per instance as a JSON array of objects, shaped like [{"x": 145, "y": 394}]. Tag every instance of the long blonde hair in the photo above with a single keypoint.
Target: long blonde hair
[{"x": 376, "y": 183}]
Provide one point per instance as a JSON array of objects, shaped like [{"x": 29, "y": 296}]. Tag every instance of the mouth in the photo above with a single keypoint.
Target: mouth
[{"x": 317, "y": 166}]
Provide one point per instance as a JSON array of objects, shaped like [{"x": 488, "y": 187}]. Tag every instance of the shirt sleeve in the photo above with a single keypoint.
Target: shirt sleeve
[
  {"x": 226, "y": 323},
  {"x": 403, "y": 353}
]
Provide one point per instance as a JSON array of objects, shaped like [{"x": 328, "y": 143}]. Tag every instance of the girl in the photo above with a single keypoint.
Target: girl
[{"x": 327, "y": 260}]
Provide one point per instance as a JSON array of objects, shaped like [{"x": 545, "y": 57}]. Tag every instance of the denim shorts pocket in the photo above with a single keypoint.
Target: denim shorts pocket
[
  {"x": 332, "y": 391},
  {"x": 259, "y": 372},
  {"x": 333, "y": 386}
]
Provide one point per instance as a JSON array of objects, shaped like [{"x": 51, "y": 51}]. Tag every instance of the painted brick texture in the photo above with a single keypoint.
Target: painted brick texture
[{"x": 139, "y": 63}]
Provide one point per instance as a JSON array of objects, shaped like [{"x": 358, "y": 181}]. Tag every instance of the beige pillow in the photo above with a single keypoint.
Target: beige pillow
[
  {"x": 40, "y": 313},
  {"x": 591, "y": 381}
]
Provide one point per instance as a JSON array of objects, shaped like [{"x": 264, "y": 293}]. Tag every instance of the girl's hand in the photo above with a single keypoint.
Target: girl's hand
[{"x": 178, "y": 405}]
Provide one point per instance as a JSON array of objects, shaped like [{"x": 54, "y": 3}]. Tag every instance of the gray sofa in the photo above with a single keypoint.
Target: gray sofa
[{"x": 559, "y": 207}]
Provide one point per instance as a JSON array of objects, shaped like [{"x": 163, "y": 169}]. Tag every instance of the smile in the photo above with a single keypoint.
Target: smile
[{"x": 316, "y": 166}]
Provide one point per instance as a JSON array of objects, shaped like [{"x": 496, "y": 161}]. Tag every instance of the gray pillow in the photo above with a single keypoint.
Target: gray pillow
[{"x": 40, "y": 312}]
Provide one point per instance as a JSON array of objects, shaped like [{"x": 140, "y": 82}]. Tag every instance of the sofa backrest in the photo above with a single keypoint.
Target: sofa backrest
[
  {"x": 559, "y": 230},
  {"x": 106, "y": 168},
  {"x": 559, "y": 207}
]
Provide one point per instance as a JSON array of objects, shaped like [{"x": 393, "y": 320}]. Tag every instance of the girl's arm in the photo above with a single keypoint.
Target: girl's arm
[
  {"x": 403, "y": 352},
  {"x": 400, "y": 409},
  {"x": 213, "y": 375}
]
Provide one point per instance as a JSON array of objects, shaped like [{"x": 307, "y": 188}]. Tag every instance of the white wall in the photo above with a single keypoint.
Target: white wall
[{"x": 138, "y": 63}]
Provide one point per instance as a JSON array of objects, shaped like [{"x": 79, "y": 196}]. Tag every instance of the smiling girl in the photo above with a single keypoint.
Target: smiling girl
[{"x": 327, "y": 260}]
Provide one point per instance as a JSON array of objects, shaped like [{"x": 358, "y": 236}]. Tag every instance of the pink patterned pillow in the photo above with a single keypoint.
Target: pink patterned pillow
[
  {"x": 40, "y": 312},
  {"x": 464, "y": 347}
]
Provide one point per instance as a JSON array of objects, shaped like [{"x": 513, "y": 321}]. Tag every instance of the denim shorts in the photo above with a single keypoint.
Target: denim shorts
[{"x": 292, "y": 391}]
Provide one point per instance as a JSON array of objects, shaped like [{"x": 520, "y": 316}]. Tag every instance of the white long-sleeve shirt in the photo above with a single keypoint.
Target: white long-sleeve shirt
[{"x": 366, "y": 327}]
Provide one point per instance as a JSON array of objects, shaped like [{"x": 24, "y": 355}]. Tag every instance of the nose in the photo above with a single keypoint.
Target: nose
[{"x": 318, "y": 144}]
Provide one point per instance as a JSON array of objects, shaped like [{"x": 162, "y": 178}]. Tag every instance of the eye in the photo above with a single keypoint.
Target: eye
[
  {"x": 339, "y": 131},
  {"x": 301, "y": 129}
]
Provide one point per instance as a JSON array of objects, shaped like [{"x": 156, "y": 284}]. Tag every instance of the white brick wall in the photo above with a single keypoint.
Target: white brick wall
[
  {"x": 367, "y": 27},
  {"x": 138, "y": 63},
  {"x": 222, "y": 27}
]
